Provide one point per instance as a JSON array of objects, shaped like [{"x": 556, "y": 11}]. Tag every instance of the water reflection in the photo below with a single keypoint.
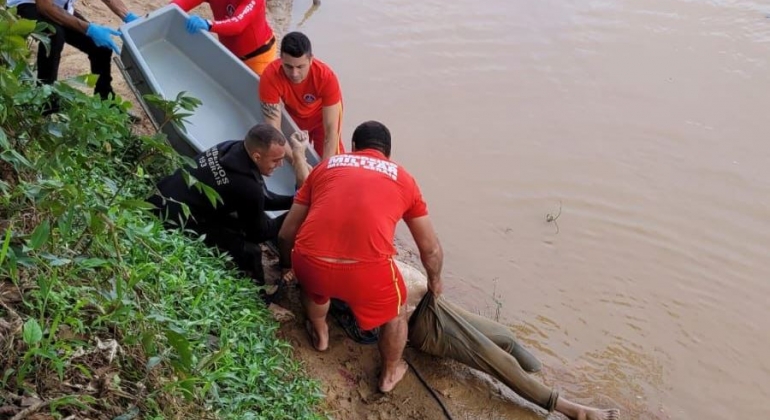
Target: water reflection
[{"x": 617, "y": 375}]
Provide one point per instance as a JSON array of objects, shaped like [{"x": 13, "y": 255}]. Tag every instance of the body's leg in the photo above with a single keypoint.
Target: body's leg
[
  {"x": 391, "y": 344},
  {"x": 438, "y": 329},
  {"x": 581, "y": 412},
  {"x": 498, "y": 333},
  {"x": 99, "y": 57},
  {"x": 502, "y": 336}
]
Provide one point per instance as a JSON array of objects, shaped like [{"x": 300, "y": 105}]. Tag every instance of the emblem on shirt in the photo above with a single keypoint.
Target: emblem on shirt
[
  {"x": 230, "y": 9},
  {"x": 309, "y": 97}
]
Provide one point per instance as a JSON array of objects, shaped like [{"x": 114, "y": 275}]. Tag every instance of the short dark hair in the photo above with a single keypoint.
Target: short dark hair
[
  {"x": 296, "y": 44},
  {"x": 372, "y": 135},
  {"x": 262, "y": 136}
]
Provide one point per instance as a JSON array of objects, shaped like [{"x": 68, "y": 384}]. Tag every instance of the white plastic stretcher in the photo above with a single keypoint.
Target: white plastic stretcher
[{"x": 160, "y": 57}]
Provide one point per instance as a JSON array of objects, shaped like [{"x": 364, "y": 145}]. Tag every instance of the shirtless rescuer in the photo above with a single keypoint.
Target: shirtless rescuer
[{"x": 235, "y": 169}]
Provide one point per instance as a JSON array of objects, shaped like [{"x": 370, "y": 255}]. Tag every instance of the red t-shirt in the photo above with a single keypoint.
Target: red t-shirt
[
  {"x": 355, "y": 201},
  {"x": 303, "y": 101},
  {"x": 240, "y": 24}
]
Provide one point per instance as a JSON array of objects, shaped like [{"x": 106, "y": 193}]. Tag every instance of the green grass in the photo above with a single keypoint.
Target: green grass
[{"x": 103, "y": 313}]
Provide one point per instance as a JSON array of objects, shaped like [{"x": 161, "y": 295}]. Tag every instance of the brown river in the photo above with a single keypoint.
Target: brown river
[{"x": 647, "y": 121}]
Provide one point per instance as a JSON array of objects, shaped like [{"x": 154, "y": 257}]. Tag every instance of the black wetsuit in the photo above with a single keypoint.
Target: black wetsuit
[{"x": 238, "y": 223}]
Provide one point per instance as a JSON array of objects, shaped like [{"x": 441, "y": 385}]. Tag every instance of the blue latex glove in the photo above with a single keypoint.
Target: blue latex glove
[
  {"x": 195, "y": 24},
  {"x": 101, "y": 36},
  {"x": 130, "y": 17}
]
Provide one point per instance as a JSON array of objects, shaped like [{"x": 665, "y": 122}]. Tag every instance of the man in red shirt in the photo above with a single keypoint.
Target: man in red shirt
[
  {"x": 310, "y": 92},
  {"x": 241, "y": 27},
  {"x": 338, "y": 237}
]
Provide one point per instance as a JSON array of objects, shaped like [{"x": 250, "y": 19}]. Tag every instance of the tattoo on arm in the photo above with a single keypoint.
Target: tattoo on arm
[{"x": 270, "y": 110}]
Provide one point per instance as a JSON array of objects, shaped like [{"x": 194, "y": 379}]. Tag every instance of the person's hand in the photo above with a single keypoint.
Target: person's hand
[
  {"x": 299, "y": 142},
  {"x": 101, "y": 36},
  {"x": 436, "y": 287},
  {"x": 196, "y": 23},
  {"x": 130, "y": 17},
  {"x": 287, "y": 275}
]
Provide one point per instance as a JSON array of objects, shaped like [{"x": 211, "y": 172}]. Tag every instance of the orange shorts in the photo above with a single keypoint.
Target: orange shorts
[
  {"x": 259, "y": 63},
  {"x": 375, "y": 291}
]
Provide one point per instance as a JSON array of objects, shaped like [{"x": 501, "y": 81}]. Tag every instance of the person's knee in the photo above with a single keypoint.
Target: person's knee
[
  {"x": 400, "y": 320},
  {"x": 316, "y": 299},
  {"x": 401, "y": 315}
]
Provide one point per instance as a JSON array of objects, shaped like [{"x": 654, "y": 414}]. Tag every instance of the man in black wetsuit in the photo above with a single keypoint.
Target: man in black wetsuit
[{"x": 237, "y": 224}]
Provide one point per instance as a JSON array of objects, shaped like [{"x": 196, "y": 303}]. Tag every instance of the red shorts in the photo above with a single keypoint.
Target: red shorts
[{"x": 375, "y": 291}]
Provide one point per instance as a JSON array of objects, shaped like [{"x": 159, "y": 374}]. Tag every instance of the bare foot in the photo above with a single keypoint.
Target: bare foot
[
  {"x": 582, "y": 412},
  {"x": 319, "y": 338},
  {"x": 389, "y": 380},
  {"x": 599, "y": 414}
]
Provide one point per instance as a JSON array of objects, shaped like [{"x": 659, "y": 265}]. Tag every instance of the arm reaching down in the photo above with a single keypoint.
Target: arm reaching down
[
  {"x": 271, "y": 112},
  {"x": 431, "y": 254},
  {"x": 331, "y": 120},
  {"x": 288, "y": 233}
]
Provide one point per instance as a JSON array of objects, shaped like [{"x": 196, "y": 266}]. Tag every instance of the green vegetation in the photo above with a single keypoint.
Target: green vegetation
[{"x": 103, "y": 313}]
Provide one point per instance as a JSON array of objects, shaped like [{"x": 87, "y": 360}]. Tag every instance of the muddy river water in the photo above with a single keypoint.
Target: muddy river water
[{"x": 647, "y": 121}]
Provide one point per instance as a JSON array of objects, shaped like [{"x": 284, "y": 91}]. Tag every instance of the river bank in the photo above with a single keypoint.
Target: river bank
[{"x": 348, "y": 371}]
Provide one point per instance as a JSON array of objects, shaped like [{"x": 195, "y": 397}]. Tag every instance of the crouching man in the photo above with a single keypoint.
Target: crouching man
[{"x": 235, "y": 169}]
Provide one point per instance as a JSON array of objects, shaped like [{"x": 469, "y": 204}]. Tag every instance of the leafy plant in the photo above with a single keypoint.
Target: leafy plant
[{"x": 117, "y": 315}]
